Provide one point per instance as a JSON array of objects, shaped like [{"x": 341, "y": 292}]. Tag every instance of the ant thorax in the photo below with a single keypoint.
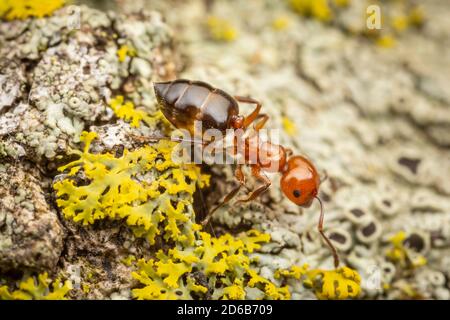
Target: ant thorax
[{"x": 235, "y": 146}]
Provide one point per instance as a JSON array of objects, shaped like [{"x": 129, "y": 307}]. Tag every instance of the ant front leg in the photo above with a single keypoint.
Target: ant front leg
[
  {"x": 324, "y": 178},
  {"x": 258, "y": 126},
  {"x": 241, "y": 179},
  {"x": 258, "y": 174},
  {"x": 252, "y": 116}
]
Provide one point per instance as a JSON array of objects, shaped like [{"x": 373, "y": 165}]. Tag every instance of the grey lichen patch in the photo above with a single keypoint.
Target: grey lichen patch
[
  {"x": 148, "y": 41},
  {"x": 31, "y": 236},
  {"x": 12, "y": 83},
  {"x": 29, "y": 134},
  {"x": 69, "y": 85},
  {"x": 73, "y": 68}
]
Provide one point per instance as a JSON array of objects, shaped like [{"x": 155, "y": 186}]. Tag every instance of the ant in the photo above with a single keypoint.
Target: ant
[{"x": 184, "y": 101}]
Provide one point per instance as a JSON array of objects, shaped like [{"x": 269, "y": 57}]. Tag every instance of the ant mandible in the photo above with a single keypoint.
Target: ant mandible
[{"x": 183, "y": 102}]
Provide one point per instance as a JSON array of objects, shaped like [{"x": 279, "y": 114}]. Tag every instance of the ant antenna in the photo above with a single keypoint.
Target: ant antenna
[
  {"x": 325, "y": 177},
  {"x": 327, "y": 240}
]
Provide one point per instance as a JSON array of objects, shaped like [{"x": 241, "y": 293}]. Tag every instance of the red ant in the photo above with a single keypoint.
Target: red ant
[{"x": 183, "y": 102}]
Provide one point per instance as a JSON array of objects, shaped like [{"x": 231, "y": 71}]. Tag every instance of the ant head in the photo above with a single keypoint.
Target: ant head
[
  {"x": 237, "y": 122},
  {"x": 300, "y": 181}
]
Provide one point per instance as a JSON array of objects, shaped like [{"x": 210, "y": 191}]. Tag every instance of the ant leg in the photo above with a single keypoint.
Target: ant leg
[
  {"x": 256, "y": 172},
  {"x": 157, "y": 138},
  {"x": 288, "y": 151},
  {"x": 324, "y": 178},
  {"x": 320, "y": 228},
  {"x": 258, "y": 126},
  {"x": 252, "y": 116},
  {"x": 241, "y": 178}
]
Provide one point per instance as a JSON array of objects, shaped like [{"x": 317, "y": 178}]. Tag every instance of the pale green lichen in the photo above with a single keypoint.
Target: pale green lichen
[{"x": 40, "y": 288}]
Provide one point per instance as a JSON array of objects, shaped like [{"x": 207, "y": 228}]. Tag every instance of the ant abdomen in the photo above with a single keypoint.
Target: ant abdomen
[{"x": 183, "y": 102}]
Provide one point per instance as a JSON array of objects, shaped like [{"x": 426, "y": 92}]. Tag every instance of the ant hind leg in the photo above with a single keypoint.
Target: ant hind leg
[
  {"x": 147, "y": 139},
  {"x": 241, "y": 178},
  {"x": 252, "y": 116},
  {"x": 258, "y": 126},
  {"x": 256, "y": 172}
]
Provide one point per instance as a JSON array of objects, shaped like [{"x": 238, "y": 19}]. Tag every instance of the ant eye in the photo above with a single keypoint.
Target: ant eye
[{"x": 296, "y": 193}]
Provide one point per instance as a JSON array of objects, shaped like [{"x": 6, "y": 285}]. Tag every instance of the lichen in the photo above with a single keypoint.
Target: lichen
[
  {"x": 404, "y": 17},
  {"x": 23, "y": 9},
  {"x": 116, "y": 188},
  {"x": 223, "y": 263},
  {"x": 289, "y": 127},
  {"x": 31, "y": 236},
  {"x": 128, "y": 112},
  {"x": 40, "y": 288},
  {"x": 280, "y": 23},
  {"x": 319, "y": 9},
  {"x": 221, "y": 29},
  {"x": 339, "y": 284},
  {"x": 124, "y": 52},
  {"x": 400, "y": 254}
]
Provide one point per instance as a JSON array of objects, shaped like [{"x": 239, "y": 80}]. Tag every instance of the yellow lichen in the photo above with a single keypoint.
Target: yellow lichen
[
  {"x": 416, "y": 16},
  {"x": 398, "y": 253},
  {"x": 221, "y": 29},
  {"x": 127, "y": 112},
  {"x": 386, "y": 41},
  {"x": 342, "y": 283},
  {"x": 114, "y": 188},
  {"x": 327, "y": 11},
  {"x": 318, "y": 9},
  {"x": 280, "y": 23},
  {"x": 342, "y": 3},
  {"x": 289, "y": 126},
  {"x": 86, "y": 288},
  {"x": 124, "y": 52},
  {"x": 295, "y": 272},
  {"x": 223, "y": 263},
  {"x": 234, "y": 291},
  {"x": 400, "y": 23},
  {"x": 128, "y": 261},
  {"x": 41, "y": 288},
  {"x": 23, "y": 9}
]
